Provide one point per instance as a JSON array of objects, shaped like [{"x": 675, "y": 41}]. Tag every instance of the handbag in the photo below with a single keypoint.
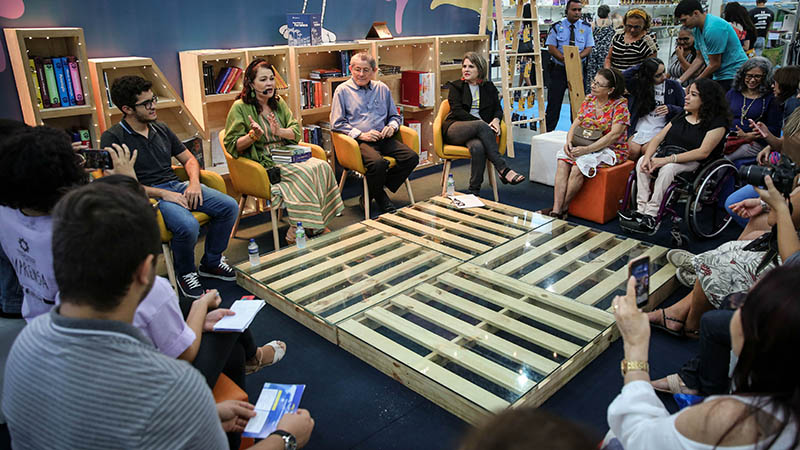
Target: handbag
[
  {"x": 274, "y": 175},
  {"x": 584, "y": 136},
  {"x": 669, "y": 150},
  {"x": 732, "y": 143}
]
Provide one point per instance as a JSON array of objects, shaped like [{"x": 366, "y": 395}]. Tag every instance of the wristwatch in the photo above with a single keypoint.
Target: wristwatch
[
  {"x": 628, "y": 366},
  {"x": 289, "y": 441}
]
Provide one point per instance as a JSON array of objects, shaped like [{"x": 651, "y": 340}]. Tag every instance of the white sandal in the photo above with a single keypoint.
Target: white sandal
[{"x": 280, "y": 351}]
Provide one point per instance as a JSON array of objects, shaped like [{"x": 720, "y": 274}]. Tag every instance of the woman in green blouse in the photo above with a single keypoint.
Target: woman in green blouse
[{"x": 261, "y": 120}]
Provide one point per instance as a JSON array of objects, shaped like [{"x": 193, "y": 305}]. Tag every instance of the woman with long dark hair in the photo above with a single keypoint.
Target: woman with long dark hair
[
  {"x": 260, "y": 120},
  {"x": 764, "y": 407},
  {"x": 739, "y": 18},
  {"x": 687, "y": 140},
  {"x": 653, "y": 101}
]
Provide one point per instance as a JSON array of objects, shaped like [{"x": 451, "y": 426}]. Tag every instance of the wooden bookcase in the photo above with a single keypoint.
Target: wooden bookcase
[
  {"x": 26, "y": 43},
  {"x": 171, "y": 109},
  {"x": 450, "y": 51}
]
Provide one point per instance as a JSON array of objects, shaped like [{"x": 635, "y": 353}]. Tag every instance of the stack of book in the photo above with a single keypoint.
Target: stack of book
[
  {"x": 57, "y": 81},
  {"x": 321, "y": 74},
  {"x": 226, "y": 80},
  {"x": 310, "y": 93},
  {"x": 388, "y": 69},
  {"x": 290, "y": 154}
]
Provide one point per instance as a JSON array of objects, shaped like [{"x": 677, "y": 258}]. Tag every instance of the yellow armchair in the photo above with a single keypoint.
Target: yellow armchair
[
  {"x": 448, "y": 153},
  {"x": 348, "y": 155}
]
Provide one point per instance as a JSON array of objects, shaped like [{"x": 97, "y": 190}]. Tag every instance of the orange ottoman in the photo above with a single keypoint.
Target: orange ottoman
[{"x": 599, "y": 198}]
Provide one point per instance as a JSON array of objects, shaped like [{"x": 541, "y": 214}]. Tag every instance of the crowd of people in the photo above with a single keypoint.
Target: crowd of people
[{"x": 80, "y": 298}]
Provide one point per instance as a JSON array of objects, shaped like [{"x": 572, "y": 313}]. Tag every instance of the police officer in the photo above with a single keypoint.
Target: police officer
[{"x": 569, "y": 31}]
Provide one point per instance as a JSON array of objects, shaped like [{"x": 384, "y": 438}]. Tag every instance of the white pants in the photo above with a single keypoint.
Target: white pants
[{"x": 648, "y": 202}]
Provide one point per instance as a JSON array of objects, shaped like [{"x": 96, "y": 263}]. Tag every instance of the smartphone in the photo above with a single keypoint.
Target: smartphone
[
  {"x": 761, "y": 129},
  {"x": 640, "y": 269},
  {"x": 97, "y": 159}
]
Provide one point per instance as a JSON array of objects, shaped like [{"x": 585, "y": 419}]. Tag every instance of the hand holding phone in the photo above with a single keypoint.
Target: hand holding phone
[
  {"x": 96, "y": 159},
  {"x": 640, "y": 269},
  {"x": 760, "y": 127}
]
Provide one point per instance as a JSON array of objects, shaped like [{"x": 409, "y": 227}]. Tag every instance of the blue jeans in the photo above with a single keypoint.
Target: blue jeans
[
  {"x": 185, "y": 229},
  {"x": 742, "y": 194},
  {"x": 759, "y": 45}
]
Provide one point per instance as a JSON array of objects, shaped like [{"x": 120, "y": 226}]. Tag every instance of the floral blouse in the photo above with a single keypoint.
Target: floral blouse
[{"x": 613, "y": 112}]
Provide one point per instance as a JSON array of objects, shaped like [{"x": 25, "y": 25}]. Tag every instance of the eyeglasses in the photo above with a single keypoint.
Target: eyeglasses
[
  {"x": 683, "y": 39},
  {"x": 751, "y": 76},
  {"x": 633, "y": 27},
  {"x": 596, "y": 84},
  {"x": 148, "y": 104}
]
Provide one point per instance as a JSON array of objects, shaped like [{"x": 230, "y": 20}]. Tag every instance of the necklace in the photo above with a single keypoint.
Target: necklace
[{"x": 746, "y": 107}]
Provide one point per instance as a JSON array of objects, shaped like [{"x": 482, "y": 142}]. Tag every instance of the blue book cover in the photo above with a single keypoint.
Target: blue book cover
[
  {"x": 299, "y": 26},
  {"x": 316, "y": 29},
  {"x": 274, "y": 401},
  {"x": 68, "y": 81},
  {"x": 225, "y": 72},
  {"x": 61, "y": 82}
]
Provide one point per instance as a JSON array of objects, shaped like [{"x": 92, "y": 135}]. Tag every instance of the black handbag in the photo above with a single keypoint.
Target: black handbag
[
  {"x": 669, "y": 150},
  {"x": 274, "y": 175}
]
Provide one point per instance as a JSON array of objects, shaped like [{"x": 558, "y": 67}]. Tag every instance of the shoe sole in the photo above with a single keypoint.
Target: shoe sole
[
  {"x": 180, "y": 289},
  {"x": 219, "y": 277},
  {"x": 681, "y": 277}
]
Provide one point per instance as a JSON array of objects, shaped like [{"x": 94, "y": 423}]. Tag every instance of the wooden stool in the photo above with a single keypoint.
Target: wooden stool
[{"x": 599, "y": 197}]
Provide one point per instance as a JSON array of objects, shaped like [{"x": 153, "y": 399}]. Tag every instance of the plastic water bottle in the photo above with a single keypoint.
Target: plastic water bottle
[
  {"x": 300, "y": 236},
  {"x": 252, "y": 252},
  {"x": 451, "y": 185}
]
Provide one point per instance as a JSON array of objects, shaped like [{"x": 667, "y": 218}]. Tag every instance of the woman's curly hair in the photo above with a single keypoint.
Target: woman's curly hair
[
  {"x": 758, "y": 62},
  {"x": 644, "y": 91},
  {"x": 714, "y": 103}
]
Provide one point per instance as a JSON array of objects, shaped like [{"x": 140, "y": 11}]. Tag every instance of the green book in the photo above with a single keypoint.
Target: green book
[{"x": 52, "y": 86}]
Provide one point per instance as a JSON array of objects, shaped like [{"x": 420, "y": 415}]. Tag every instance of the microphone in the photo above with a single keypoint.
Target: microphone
[{"x": 265, "y": 91}]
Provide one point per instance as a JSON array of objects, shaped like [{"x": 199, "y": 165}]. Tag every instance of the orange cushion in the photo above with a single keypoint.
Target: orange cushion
[
  {"x": 599, "y": 198},
  {"x": 226, "y": 389}
]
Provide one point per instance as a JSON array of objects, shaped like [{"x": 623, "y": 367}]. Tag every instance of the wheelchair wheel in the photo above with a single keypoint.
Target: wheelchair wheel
[{"x": 705, "y": 214}]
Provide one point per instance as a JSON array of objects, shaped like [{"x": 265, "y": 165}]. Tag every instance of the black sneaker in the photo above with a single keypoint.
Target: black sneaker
[
  {"x": 629, "y": 215},
  {"x": 222, "y": 272},
  {"x": 648, "y": 224},
  {"x": 189, "y": 285}
]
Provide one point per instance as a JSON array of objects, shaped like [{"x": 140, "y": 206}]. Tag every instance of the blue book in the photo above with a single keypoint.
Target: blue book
[
  {"x": 61, "y": 81},
  {"x": 224, "y": 74},
  {"x": 274, "y": 401},
  {"x": 68, "y": 80},
  {"x": 299, "y": 27}
]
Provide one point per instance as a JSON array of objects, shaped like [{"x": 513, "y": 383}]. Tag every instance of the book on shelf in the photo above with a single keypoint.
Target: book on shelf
[
  {"x": 320, "y": 74},
  {"x": 230, "y": 81},
  {"x": 35, "y": 78},
  {"x": 61, "y": 82},
  {"x": 40, "y": 76},
  {"x": 310, "y": 93},
  {"x": 195, "y": 146},
  {"x": 75, "y": 76},
  {"x": 344, "y": 61},
  {"x": 416, "y": 125},
  {"x": 417, "y": 88},
  {"x": 52, "y": 87},
  {"x": 208, "y": 79},
  {"x": 280, "y": 83},
  {"x": 274, "y": 401},
  {"x": 312, "y": 134},
  {"x": 68, "y": 81},
  {"x": 388, "y": 69},
  {"x": 108, "y": 90},
  {"x": 222, "y": 77}
]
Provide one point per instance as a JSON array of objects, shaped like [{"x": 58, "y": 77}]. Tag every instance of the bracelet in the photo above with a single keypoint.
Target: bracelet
[
  {"x": 252, "y": 135},
  {"x": 629, "y": 366},
  {"x": 674, "y": 158}
]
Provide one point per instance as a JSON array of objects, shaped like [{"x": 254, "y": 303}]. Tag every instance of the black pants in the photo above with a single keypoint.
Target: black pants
[
  {"x": 708, "y": 371},
  {"x": 481, "y": 141},
  {"x": 726, "y": 84},
  {"x": 555, "y": 94},
  {"x": 378, "y": 172}
]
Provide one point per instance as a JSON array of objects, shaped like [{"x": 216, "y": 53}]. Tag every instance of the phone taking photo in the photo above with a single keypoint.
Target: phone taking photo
[
  {"x": 96, "y": 159},
  {"x": 640, "y": 269}
]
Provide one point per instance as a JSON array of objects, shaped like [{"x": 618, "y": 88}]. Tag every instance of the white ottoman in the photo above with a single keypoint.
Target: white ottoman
[{"x": 543, "y": 156}]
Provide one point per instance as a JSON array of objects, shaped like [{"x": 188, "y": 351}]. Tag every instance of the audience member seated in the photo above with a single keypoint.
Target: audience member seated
[
  {"x": 763, "y": 409},
  {"x": 680, "y": 147},
  {"x": 363, "y": 109},
  {"x": 732, "y": 267},
  {"x": 474, "y": 121},
  {"x": 785, "y": 81},
  {"x": 654, "y": 100},
  {"x": 108, "y": 381},
  {"x": 684, "y": 55},
  {"x": 632, "y": 44},
  {"x": 157, "y": 144},
  {"x": 519, "y": 428},
  {"x": 596, "y": 137},
  {"x": 260, "y": 120},
  {"x": 751, "y": 100}
]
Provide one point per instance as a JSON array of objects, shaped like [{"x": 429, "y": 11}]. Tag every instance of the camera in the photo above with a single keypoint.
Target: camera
[{"x": 783, "y": 173}]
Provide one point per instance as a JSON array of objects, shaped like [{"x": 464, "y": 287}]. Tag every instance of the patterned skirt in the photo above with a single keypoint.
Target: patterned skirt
[
  {"x": 309, "y": 192},
  {"x": 728, "y": 269}
]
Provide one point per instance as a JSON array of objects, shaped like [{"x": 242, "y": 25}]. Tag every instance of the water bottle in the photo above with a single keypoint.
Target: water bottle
[
  {"x": 252, "y": 252},
  {"x": 451, "y": 185},
  {"x": 300, "y": 236}
]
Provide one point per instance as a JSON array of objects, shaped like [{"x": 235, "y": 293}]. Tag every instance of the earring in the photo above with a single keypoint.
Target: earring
[{"x": 252, "y": 93}]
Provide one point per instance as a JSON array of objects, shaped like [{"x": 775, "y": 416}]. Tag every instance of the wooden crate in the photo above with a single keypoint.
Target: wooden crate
[
  {"x": 475, "y": 342},
  {"x": 460, "y": 233},
  {"x": 340, "y": 274}
]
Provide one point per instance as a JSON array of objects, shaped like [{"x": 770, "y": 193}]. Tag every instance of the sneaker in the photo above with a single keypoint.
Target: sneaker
[
  {"x": 648, "y": 224},
  {"x": 685, "y": 277},
  {"x": 681, "y": 259},
  {"x": 189, "y": 285},
  {"x": 221, "y": 272},
  {"x": 629, "y": 215}
]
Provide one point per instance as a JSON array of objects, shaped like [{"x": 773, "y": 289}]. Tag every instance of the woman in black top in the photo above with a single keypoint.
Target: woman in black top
[{"x": 474, "y": 121}]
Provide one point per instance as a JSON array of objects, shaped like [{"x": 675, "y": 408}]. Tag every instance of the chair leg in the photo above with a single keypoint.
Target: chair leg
[
  {"x": 410, "y": 193},
  {"x": 170, "y": 267},
  {"x": 492, "y": 178},
  {"x": 274, "y": 219},
  {"x": 366, "y": 199},
  {"x": 341, "y": 180},
  {"x": 242, "y": 201},
  {"x": 445, "y": 175}
]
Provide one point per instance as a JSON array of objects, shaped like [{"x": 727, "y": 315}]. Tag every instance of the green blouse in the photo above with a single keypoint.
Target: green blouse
[{"x": 238, "y": 124}]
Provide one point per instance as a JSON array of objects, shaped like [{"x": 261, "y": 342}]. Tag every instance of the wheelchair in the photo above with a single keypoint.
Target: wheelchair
[{"x": 702, "y": 194}]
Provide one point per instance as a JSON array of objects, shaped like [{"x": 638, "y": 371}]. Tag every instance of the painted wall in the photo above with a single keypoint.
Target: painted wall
[{"x": 159, "y": 29}]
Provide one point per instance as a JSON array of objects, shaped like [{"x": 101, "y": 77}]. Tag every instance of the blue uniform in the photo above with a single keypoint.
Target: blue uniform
[{"x": 559, "y": 36}]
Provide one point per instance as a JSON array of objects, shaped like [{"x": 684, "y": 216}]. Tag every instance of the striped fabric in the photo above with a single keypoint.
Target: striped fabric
[
  {"x": 95, "y": 384},
  {"x": 309, "y": 192},
  {"x": 625, "y": 55}
]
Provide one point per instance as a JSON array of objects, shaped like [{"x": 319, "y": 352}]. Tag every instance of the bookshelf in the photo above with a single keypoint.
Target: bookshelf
[
  {"x": 26, "y": 43},
  {"x": 449, "y": 53},
  {"x": 171, "y": 109}
]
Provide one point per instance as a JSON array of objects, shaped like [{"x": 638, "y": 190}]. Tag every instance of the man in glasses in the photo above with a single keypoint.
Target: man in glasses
[
  {"x": 717, "y": 42},
  {"x": 569, "y": 31},
  {"x": 157, "y": 144}
]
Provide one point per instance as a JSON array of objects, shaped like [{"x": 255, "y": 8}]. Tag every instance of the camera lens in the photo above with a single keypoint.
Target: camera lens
[{"x": 754, "y": 174}]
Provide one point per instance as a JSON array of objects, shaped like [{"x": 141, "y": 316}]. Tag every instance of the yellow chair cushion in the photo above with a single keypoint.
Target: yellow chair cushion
[{"x": 348, "y": 155}]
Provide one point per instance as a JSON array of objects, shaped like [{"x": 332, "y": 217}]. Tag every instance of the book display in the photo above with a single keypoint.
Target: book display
[
  {"x": 214, "y": 80},
  {"x": 51, "y": 74}
]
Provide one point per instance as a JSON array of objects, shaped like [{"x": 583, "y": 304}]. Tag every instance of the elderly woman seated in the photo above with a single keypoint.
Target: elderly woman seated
[{"x": 597, "y": 136}]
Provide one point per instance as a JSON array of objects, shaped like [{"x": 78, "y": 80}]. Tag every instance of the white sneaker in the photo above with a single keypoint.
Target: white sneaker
[
  {"x": 681, "y": 259},
  {"x": 685, "y": 277}
]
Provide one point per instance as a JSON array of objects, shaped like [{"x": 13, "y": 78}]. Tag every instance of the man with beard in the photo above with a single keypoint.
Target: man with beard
[{"x": 157, "y": 144}]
